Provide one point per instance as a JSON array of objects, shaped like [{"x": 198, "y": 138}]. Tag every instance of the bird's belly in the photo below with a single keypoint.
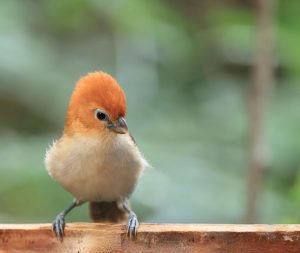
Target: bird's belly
[
  {"x": 93, "y": 173},
  {"x": 101, "y": 183}
]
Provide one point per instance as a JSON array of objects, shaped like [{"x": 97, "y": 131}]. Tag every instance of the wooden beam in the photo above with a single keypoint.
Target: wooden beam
[{"x": 87, "y": 237}]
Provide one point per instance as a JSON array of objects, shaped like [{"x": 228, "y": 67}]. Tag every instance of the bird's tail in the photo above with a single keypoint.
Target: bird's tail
[{"x": 107, "y": 212}]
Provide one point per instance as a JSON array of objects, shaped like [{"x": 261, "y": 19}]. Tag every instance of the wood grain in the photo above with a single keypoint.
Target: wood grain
[{"x": 91, "y": 237}]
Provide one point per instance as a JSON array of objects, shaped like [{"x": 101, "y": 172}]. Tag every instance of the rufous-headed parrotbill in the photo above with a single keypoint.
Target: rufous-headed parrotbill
[{"x": 96, "y": 159}]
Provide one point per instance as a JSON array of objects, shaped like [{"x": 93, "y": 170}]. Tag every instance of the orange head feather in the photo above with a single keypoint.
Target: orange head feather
[{"x": 95, "y": 92}]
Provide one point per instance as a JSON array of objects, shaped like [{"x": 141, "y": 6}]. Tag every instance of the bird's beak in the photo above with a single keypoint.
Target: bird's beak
[{"x": 119, "y": 126}]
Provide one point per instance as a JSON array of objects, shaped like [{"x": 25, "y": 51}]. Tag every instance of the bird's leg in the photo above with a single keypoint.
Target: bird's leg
[
  {"x": 58, "y": 224},
  {"x": 133, "y": 222}
]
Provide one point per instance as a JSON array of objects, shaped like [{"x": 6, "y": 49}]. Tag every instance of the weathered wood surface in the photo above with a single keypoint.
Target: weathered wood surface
[{"x": 86, "y": 237}]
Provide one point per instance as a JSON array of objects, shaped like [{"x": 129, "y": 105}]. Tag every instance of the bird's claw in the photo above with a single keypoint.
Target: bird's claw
[
  {"x": 132, "y": 226},
  {"x": 58, "y": 226}
]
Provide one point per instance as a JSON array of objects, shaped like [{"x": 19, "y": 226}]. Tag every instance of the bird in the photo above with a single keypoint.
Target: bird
[{"x": 96, "y": 159}]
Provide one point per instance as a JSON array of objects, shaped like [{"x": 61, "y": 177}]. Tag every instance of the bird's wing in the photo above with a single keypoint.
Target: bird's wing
[{"x": 132, "y": 138}]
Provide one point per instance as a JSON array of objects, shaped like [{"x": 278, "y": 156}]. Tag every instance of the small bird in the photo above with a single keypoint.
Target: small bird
[{"x": 96, "y": 159}]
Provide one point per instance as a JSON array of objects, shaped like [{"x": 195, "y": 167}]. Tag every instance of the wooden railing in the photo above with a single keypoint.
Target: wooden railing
[{"x": 91, "y": 237}]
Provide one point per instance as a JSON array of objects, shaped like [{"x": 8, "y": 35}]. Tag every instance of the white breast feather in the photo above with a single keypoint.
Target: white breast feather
[{"x": 96, "y": 169}]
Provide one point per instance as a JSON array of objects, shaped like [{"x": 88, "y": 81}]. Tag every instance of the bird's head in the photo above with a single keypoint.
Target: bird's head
[{"x": 97, "y": 105}]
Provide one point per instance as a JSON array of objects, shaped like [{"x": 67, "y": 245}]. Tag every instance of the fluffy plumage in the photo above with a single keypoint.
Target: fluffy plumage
[
  {"x": 102, "y": 168},
  {"x": 91, "y": 161}
]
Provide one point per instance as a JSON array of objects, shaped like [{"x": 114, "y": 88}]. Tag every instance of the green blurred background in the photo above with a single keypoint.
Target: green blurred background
[{"x": 186, "y": 69}]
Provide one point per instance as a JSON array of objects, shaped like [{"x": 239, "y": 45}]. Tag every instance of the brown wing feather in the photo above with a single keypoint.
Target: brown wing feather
[
  {"x": 132, "y": 138},
  {"x": 106, "y": 212}
]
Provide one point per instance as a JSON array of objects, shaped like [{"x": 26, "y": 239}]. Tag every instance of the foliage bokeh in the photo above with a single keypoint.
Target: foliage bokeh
[{"x": 186, "y": 69}]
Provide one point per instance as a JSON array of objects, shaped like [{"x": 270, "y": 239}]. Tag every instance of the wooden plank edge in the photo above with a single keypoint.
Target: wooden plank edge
[
  {"x": 204, "y": 238},
  {"x": 151, "y": 227}
]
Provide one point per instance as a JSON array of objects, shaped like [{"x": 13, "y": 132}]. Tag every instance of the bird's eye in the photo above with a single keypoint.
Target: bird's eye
[{"x": 101, "y": 115}]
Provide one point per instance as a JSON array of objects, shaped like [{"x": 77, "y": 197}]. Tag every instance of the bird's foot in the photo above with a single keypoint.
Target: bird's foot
[
  {"x": 132, "y": 226},
  {"x": 58, "y": 226}
]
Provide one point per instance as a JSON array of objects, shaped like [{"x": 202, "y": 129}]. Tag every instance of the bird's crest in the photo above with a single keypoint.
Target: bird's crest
[{"x": 93, "y": 91}]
